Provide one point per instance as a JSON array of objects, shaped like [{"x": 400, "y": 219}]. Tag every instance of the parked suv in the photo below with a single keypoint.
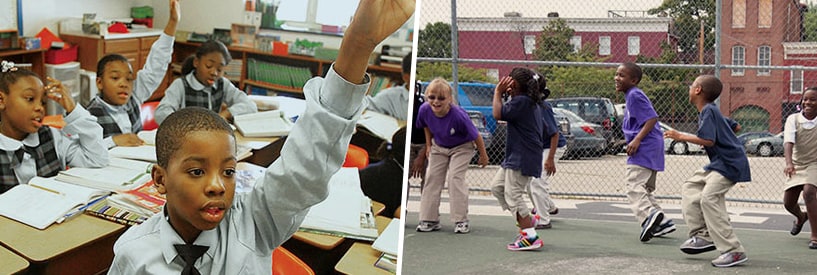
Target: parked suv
[{"x": 597, "y": 110}]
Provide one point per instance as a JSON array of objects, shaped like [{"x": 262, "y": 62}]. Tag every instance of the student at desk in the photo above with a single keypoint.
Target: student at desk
[
  {"x": 196, "y": 166},
  {"x": 118, "y": 106},
  {"x": 31, "y": 149},
  {"x": 382, "y": 181},
  {"x": 394, "y": 101}
]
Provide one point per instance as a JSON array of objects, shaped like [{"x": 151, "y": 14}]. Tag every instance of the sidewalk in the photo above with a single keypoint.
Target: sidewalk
[{"x": 604, "y": 244}]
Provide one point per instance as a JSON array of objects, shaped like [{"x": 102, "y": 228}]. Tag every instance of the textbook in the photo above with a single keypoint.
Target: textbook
[
  {"x": 44, "y": 201},
  {"x": 144, "y": 153},
  {"x": 263, "y": 124},
  {"x": 346, "y": 212},
  {"x": 144, "y": 200},
  {"x": 115, "y": 214},
  {"x": 120, "y": 175},
  {"x": 387, "y": 241},
  {"x": 380, "y": 125}
]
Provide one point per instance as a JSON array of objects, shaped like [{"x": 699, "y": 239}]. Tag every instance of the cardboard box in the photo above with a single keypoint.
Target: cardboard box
[
  {"x": 243, "y": 35},
  {"x": 59, "y": 56}
]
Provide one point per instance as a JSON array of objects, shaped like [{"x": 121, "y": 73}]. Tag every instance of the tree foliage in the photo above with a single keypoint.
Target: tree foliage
[
  {"x": 810, "y": 23},
  {"x": 435, "y": 41},
  {"x": 553, "y": 43},
  {"x": 426, "y": 71},
  {"x": 688, "y": 15}
]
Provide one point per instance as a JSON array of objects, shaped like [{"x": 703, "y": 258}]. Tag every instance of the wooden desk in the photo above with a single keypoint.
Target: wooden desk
[
  {"x": 83, "y": 245},
  {"x": 324, "y": 242},
  {"x": 377, "y": 208},
  {"x": 10, "y": 263},
  {"x": 360, "y": 259},
  {"x": 264, "y": 156}
]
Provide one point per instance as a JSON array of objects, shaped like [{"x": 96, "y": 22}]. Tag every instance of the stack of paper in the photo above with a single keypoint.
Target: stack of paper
[
  {"x": 44, "y": 201},
  {"x": 120, "y": 175},
  {"x": 388, "y": 240},
  {"x": 346, "y": 212},
  {"x": 144, "y": 153},
  {"x": 263, "y": 124},
  {"x": 144, "y": 200},
  {"x": 379, "y": 124}
]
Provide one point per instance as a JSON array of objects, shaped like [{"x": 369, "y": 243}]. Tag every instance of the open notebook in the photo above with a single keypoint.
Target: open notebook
[
  {"x": 380, "y": 125},
  {"x": 263, "y": 124},
  {"x": 44, "y": 201},
  {"x": 119, "y": 175},
  {"x": 346, "y": 212}
]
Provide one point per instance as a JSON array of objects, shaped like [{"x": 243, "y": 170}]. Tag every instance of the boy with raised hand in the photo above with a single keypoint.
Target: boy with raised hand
[
  {"x": 703, "y": 195},
  {"x": 202, "y": 229}
]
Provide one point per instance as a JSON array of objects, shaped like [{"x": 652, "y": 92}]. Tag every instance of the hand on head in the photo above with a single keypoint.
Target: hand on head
[{"x": 57, "y": 92}]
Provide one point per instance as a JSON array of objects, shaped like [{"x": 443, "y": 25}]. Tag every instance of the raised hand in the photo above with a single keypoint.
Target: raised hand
[{"x": 57, "y": 92}]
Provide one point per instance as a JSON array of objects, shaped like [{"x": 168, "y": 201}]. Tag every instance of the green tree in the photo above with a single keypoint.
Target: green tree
[
  {"x": 553, "y": 44},
  {"x": 426, "y": 71},
  {"x": 810, "y": 23},
  {"x": 688, "y": 17},
  {"x": 435, "y": 41}
]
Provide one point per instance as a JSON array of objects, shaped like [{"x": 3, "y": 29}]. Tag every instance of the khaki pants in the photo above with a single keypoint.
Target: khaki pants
[
  {"x": 704, "y": 207},
  {"x": 540, "y": 189},
  {"x": 449, "y": 165},
  {"x": 640, "y": 185},
  {"x": 508, "y": 186}
]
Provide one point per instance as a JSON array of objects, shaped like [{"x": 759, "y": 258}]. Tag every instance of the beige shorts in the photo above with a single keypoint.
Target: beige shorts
[{"x": 803, "y": 175}]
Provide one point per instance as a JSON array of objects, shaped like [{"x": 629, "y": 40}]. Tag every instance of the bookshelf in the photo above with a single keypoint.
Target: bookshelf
[
  {"x": 296, "y": 68},
  {"x": 34, "y": 57}
]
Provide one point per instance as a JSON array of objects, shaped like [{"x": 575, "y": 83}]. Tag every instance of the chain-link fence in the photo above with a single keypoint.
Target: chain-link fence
[{"x": 760, "y": 49}]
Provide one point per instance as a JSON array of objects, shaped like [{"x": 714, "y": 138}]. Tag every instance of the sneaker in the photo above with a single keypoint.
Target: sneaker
[
  {"x": 650, "y": 224},
  {"x": 541, "y": 225},
  {"x": 663, "y": 229},
  {"x": 697, "y": 245},
  {"x": 426, "y": 226},
  {"x": 730, "y": 259},
  {"x": 462, "y": 228},
  {"x": 522, "y": 242},
  {"x": 554, "y": 211}
]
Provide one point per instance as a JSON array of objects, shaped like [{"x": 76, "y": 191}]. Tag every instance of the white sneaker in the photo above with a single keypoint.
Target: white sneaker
[{"x": 462, "y": 228}]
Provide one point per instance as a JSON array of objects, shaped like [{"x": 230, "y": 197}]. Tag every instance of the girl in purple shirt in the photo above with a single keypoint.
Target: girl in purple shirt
[{"x": 450, "y": 141}]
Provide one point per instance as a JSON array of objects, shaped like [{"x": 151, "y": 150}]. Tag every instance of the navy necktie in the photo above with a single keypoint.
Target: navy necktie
[{"x": 190, "y": 253}]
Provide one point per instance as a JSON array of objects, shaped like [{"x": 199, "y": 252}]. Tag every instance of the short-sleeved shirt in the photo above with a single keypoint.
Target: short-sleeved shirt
[
  {"x": 525, "y": 141},
  {"x": 551, "y": 126},
  {"x": 727, "y": 155},
  {"x": 638, "y": 109},
  {"x": 449, "y": 131}
]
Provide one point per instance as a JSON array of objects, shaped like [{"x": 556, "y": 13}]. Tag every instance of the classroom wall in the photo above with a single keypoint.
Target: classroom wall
[{"x": 48, "y": 13}]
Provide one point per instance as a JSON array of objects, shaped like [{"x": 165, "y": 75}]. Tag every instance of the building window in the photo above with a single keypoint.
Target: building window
[
  {"x": 576, "y": 41},
  {"x": 738, "y": 59},
  {"x": 736, "y": 90},
  {"x": 763, "y": 90},
  {"x": 633, "y": 45},
  {"x": 739, "y": 14},
  {"x": 530, "y": 43},
  {"x": 764, "y": 58},
  {"x": 604, "y": 45},
  {"x": 796, "y": 82},
  {"x": 764, "y": 14}
]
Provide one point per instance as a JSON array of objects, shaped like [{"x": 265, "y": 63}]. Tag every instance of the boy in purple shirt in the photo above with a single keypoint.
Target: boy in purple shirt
[
  {"x": 645, "y": 151},
  {"x": 450, "y": 141}
]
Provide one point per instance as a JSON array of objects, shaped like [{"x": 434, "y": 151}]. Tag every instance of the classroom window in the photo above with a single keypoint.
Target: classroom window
[
  {"x": 738, "y": 13},
  {"x": 309, "y": 14},
  {"x": 633, "y": 45},
  {"x": 796, "y": 82},
  {"x": 764, "y": 14},
  {"x": 604, "y": 45},
  {"x": 764, "y": 58},
  {"x": 530, "y": 44},
  {"x": 576, "y": 41},
  {"x": 738, "y": 59}
]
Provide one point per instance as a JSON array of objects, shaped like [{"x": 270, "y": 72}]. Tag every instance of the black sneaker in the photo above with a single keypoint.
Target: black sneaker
[
  {"x": 650, "y": 224},
  {"x": 664, "y": 228}
]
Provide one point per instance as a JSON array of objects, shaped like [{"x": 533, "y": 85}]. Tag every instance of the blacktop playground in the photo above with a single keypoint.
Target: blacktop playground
[{"x": 597, "y": 237}]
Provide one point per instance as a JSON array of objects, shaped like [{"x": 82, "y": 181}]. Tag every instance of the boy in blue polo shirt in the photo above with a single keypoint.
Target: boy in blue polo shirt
[
  {"x": 645, "y": 151},
  {"x": 702, "y": 195}
]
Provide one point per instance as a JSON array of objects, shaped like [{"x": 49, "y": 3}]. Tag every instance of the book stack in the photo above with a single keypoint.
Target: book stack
[
  {"x": 392, "y": 56},
  {"x": 346, "y": 212},
  {"x": 378, "y": 83},
  {"x": 233, "y": 70},
  {"x": 387, "y": 243},
  {"x": 278, "y": 74}
]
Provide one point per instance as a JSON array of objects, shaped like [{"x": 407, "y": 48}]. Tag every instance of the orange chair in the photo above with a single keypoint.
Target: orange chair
[
  {"x": 286, "y": 263},
  {"x": 148, "y": 122},
  {"x": 356, "y": 157}
]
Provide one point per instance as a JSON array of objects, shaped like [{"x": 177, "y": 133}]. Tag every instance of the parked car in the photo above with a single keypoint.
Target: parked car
[
  {"x": 597, "y": 110},
  {"x": 745, "y": 137},
  {"x": 765, "y": 147},
  {"x": 487, "y": 137},
  {"x": 587, "y": 137},
  {"x": 672, "y": 146}
]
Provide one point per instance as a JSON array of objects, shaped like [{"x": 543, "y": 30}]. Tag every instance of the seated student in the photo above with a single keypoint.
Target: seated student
[
  {"x": 196, "y": 154},
  {"x": 203, "y": 85},
  {"x": 382, "y": 181},
  {"x": 117, "y": 107},
  {"x": 31, "y": 149},
  {"x": 394, "y": 101}
]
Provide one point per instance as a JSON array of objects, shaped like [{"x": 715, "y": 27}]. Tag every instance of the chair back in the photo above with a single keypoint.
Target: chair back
[
  {"x": 356, "y": 156},
  {"x": 147, "y": 110},
  {"x": 286, "y": 263}
]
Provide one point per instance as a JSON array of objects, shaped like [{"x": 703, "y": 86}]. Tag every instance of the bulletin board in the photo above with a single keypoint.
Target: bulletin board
[{"x": 8, "y": 14}]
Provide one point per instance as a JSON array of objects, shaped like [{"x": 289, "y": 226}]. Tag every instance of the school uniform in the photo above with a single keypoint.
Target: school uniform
[
  {"x": 703, "y": 194},
  {"x": 392, "y": 101},
  {"x": 382, "y": 181},
  {"x": 540, "y": 187},
  {"x": 523, "y": 154},
  {"x": 452, "y": 148},
  {"x": 187, "y": 91},
  {"x": 260, "y": 220},
  {"x": 126, "y": 118},
  {"x": 50, "y": 150},
  {"x": 802, "y": 132},
  {"x": 644, "y": 164},
  {"x": 418, "y": 136}
]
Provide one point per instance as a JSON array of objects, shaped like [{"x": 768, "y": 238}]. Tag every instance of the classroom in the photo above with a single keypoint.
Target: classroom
[{"x": 123, "y": 68}]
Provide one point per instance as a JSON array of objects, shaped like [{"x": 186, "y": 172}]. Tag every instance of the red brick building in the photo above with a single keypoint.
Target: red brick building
[
  {"x": 763, "y": 33},
  {"x": 619, "y": 39}
]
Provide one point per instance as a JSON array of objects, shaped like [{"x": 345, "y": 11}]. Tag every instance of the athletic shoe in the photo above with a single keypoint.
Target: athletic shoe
[
  {"x": 697, "y": 245},
  {"x": 554, "y": 211},
  {"x": 664, "y": 228},
  {"x": 730, "y": 259},
  {"x": 462, "y": 228},
  {"x": 522, "y": 242},
  {"x": 650, "y": 224},
  {"x": 426, "y": 226}
]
